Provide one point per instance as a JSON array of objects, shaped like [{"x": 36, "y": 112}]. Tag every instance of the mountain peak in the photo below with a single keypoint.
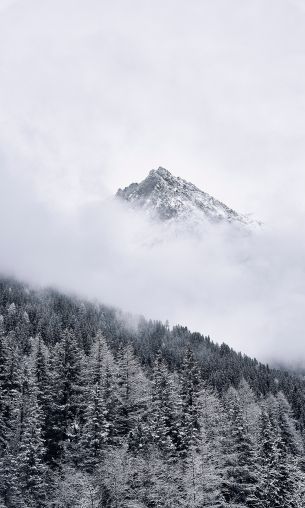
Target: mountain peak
[
  {"x": 168, "y": 197},
  {"x": 161, "y": 172}
]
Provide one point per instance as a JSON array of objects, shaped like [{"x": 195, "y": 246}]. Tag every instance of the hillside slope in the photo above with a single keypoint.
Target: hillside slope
[{"x": 99, "y": 409}]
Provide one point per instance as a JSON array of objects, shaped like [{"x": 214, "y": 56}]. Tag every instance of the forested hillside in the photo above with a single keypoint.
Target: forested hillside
[{"x": 98, "y": 409}]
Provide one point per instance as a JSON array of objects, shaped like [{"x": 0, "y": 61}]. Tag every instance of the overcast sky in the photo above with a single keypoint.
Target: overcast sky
[{"x": 95, "y": 93}]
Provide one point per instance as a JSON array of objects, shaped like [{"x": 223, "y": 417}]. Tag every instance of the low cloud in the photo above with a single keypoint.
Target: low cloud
[{"x": 244, "y": 289}]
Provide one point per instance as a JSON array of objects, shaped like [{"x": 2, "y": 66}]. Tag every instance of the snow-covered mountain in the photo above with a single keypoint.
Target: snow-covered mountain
[{"x": 171, "y": 198}]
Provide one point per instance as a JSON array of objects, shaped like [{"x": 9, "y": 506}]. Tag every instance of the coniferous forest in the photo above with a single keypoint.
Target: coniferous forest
[{"x": 98, "y": 409}]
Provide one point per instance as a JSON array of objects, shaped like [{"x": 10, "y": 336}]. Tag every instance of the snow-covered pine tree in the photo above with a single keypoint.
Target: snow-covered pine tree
[
  {"x": 287, "y": 425},
  {"x": 41, "y": 375},
  {"x": 66, "y": 403},
  {"x": 100, "y": 358},
  {"x": 164, "y": 410},
  {"x": 267, "y": 461},
  {"x": 201, "y": 478},
  {"x": 4, "y": 395},
  {"x": 190, "y": 403},
  {"x": 132, "y": 391},
  {"x": 277, "y": 467},
  {"x": 249, "y": 406},
  {"x": 290, "y": 452},
  {"x": 30, "y": 457},
  {"x": 95, "y": 431},
  {"x": 240, "y": 477},
  {"x": 10, "y": 393}
]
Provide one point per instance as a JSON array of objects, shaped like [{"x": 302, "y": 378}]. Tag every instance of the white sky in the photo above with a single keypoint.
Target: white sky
[{"x": 95, "y": 93}]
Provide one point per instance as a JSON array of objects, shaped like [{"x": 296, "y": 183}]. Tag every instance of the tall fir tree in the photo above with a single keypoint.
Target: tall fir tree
[
  {"x": 131, "y": 390},
  {"x": 240, "y": 478},
  {"x": 164, "y": 411},
  {"x": 277, "y": 469},
  {"x": 95, "y": 431},
  {"x": 31, "y": 450},
  {"x": 66, "y": 403},
  {"x": 190, "y": 403},
  {"x": 10, "y": 394}
]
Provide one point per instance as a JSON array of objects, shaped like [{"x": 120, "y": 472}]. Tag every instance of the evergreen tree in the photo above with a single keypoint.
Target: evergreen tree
[
  {"x": 190, "y": 403},
  {"x": 42, "y": 378},
  {"x": 239, "y": 481},
  {"x": 131, "y": 390},
  {"x": 201, "y": 478},
  {"x": 30, "y": 456},
  {"x": 100, "y": 359},
  {"x": 268, "y": 457},
  {"x": 95, "y": 432},
  {"x": 164, "y": 409},
  {"x": 10, "y": 388},
  {"x": 249, "y": 406},
  {"x": 64, "y": 395},
  {"x": 277, "y": 467},
  {"x": 4, "y": 395},
  {"x": 287, "y": 426}
]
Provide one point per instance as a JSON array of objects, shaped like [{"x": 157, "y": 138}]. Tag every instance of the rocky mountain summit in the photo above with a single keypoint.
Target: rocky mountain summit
[{"x": 169, "y": 198}]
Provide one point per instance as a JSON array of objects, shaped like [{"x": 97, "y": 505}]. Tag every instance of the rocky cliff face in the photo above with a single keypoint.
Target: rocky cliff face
[{"x": 167, "y": 198}]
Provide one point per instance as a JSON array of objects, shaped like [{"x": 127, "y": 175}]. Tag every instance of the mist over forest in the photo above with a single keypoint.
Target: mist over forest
[{"x": 244, "y": 289}]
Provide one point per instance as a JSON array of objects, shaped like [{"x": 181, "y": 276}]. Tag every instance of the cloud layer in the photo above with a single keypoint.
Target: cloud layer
[
  {"x": 247, "y": 290},
  {"x": 96, "y": 93}
]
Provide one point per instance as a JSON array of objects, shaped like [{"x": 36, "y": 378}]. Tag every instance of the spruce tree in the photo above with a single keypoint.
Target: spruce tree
[
  {"x": 240, "y": 479},
  {"x": 276, "y": 464},
  {"x": 4, "y": 395},
  {"x": 42, "y": 378},
  {"x": 100, "y": 358},
  {"x": 268, "y": 458},
  {"x": 95, "y": 431},
  {"x": 131, "y": 391},
  {"x": 10, "y": 392},
  {"x": 164, "y": 409},
  {"x": 190, "y": 403},
  {"x": 66, "y": 403},
  {"x": 31, "y": 452}
]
